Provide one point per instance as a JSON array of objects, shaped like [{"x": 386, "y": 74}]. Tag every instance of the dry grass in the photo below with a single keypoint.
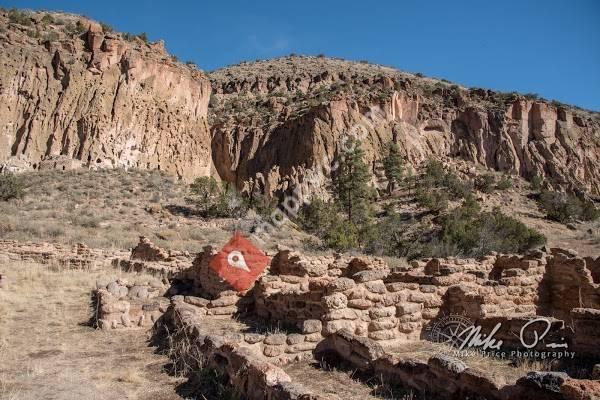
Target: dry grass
[
  {"x": 339, "y": 378},
  {"x": 112, "y": 208},
  {"x": 503, "y": 370},
  {"x": 100, "y": 208},
  {"x": 47, "y": 350}
]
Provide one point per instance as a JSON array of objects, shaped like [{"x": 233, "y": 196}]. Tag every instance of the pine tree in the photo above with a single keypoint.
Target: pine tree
[
  {"x": 207, "y": 190},
  {"x": 392, "y": 167},
  {"x": 350, "y": 181}
]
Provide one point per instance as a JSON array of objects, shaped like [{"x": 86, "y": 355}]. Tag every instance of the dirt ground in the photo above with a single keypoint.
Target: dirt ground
[
  {"x": 346, "y": 382},
  {"x": 47, "y": 350},
  {"x": 503, "y": 371}
]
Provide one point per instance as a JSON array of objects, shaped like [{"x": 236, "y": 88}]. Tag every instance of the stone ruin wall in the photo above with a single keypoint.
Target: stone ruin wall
[
  {"x": 357, "y": 293},
  {"x": 363, "y": 296},
  {"x": 354, "y": 306},
  {"x": 148, "y": 258},
  {"x": 76, "y": 256},
  {"x": 123, "y": 304}
]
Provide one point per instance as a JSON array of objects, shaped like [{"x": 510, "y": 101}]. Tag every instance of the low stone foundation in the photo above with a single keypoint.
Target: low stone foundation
[
  {"x": 151, "y": 259},
  {"x": 447, "y": 377},
  {"x": 278, "y": 347},
  {"x": 355, "y": 307},
  {"x": 120, "y": 304},
  {"x": 77, "y": 256},
  {"x": 249, "y": 361}
]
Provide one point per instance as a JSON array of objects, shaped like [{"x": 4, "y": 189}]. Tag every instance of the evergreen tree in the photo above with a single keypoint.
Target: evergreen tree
[
  {"x": 410, "y": 180},
  {"x": 350, "y": 183},
  {"x": 392, "y": 167},
  {"x": 207, "y": 190}
]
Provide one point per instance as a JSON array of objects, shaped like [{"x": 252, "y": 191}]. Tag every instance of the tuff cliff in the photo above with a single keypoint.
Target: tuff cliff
[
  {"x": 274, "y": 120},
  {"x": 73, "y": 93}
]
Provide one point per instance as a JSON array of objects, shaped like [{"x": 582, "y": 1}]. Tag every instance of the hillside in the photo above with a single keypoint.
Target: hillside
[
  {"x": 295, "y": 228},
  {"x": 76, "y": 93},
  {"x": 279, "y": 118}
]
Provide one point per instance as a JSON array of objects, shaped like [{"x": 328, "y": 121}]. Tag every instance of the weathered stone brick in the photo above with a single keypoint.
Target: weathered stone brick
[
  {"x": 375, "y": 286},
  {"x": 312, "y": 326},
  {"x": 382, "y": 312},
  {"x": 408, "y": 308}
]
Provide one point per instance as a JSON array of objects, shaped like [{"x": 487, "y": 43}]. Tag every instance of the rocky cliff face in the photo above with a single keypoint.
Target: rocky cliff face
[
  {"x": 71, "y": 94},
  {"x": 275, "y": 120}
]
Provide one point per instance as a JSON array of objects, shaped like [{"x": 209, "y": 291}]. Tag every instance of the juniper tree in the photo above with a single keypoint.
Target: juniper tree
[
  {"x": 350, "y": 183},
  {"x": 11, "y": 187},
  {"x": 207, "y": 191},
  {"x": 392, "y": 166}
]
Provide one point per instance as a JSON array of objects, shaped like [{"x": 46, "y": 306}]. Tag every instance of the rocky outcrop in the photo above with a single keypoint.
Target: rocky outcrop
[
  {"x": 74, "y": 95},
  {"x": 276, "y": 120},
  {"x": 71, "y": 91}
]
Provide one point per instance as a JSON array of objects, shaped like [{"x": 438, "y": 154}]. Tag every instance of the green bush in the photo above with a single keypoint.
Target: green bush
[
  {"x": 432, "y": 199},
  {"x": 476, "y": 234},
  {"x": 207, "y": 191},
  {"x": 19, "y": 17},
  {"x": 485, "y": 183},
  {"x": 317, "y": 216},
  {"x": 143, "y": 36},
  {"x": 342, "y": 235},
  {"x": 505, "y": 182},
  {"x": 589, "y": 212},
  {"x": 11, "y": 187},
  {"x": 436, "y": 177},
  {"x": 48, "y": 19},
  {"x": 434, "y": 170},
  {"x": 106, "y": 28},
  {"x": 215, "y": 200},
  {"x": 263, "y": 205},
  {"x": 75, "y": 29},
  {"x": 128, "y": 36},
  {"x": 563, "y": 207},
  {"x": 388, "y": 236},
  {"x": 531, "y": 96},
  {"x": 457, "y": 188},
  {"x": 505, "y": 234},
  {"x": 536, "y": 182}
]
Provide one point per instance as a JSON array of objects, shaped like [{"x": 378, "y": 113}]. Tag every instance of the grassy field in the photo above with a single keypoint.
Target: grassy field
[
  {"x": 107, "y": 208},
  {"x": 48, "y": 351},
  {"x": 112, "y": 208}
]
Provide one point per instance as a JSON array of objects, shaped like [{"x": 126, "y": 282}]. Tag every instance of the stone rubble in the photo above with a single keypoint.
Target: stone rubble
[{"x": 354, "y": 306}]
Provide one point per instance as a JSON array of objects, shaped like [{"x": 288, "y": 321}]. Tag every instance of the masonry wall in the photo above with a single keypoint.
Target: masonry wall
[
  {"x": 570, "y": 284},
  {"x": 121, "y": 304},
  {"x": 363, "y": 296}
]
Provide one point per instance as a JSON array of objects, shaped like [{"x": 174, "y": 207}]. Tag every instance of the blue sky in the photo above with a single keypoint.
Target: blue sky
[{"x": 551, "y": 47}]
